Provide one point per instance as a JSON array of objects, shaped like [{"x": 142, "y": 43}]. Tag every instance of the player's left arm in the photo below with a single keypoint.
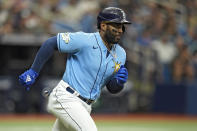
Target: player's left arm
[{"x": 116, "y": 84}]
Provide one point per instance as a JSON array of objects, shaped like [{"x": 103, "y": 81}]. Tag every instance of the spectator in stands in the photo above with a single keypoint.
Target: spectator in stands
[
  {"x": 183, "y": 70},
  {"x": 191, "y": 39},
  {"x": 166, "y": 52},
  {"x": 194, "y": 63},
  {"x": 151, "y": 19}
]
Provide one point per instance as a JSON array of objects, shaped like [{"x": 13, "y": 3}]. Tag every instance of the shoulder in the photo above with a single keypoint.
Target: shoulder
[
  {"x": 85, "y": 38},
  {"x": 76, "y": 37},
  {"x": 121, "y": 54},
  {"x": 75, "y": 34},
  {"x": 82, "y": 35},
  {"x": 120, "y": 50}
]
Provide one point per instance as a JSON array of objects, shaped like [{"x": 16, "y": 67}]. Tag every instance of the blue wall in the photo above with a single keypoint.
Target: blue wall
[{"x": 175, "y": 98}]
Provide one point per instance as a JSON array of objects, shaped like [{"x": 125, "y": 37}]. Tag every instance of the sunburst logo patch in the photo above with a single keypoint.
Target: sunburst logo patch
[
  {"x": 65, "y": 37},
  {"x": 116, "y": 66}
]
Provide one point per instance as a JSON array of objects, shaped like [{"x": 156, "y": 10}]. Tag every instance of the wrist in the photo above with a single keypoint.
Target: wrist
[
  {"x": 119, "y": 83},
  {"x": 33, "y": 73}
]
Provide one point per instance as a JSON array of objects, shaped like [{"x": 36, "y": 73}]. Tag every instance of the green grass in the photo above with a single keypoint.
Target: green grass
[
  {"x": 106, "y": 125},
  {"x": 148, "y": 126}
]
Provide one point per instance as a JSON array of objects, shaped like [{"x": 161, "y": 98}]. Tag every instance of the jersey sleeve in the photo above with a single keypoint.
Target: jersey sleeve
[
  {"x": 70, "y": 42},
  {"x": 122, "y": 55}
]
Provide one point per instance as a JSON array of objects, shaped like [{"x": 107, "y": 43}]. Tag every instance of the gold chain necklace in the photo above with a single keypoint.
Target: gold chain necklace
[
  {"x": 117, "y": 65},
  {"x": 114, "y": 55}
]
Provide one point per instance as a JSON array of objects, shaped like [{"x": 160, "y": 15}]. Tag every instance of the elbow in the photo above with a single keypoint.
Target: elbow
[
  {"x": 115, "y": 90},
  {"x": 51, "y": 42},
  {"x": 113, "y": 86}
]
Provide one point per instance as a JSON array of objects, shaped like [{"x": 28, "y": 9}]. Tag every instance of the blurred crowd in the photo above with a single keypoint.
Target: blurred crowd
[
  {"x": 46, "y": 16},
  {"x": 161, "y": 43}
]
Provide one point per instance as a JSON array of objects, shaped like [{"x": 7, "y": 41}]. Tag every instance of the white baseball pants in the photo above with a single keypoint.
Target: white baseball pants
[{"x": 72, "y": 113}]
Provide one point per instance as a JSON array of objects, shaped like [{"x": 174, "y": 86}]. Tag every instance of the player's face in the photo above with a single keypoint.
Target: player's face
[{"x": 113, "y": 32}]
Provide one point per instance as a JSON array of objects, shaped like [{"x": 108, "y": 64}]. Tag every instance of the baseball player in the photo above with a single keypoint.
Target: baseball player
[{"x": 94, "y": 60}]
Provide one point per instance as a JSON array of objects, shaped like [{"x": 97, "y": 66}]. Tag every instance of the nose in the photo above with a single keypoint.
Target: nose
[{"x": 120, "y": 30}]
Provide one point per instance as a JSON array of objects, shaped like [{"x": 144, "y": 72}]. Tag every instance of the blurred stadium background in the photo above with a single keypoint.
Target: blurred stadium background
[{"x": 161, "y": 47}]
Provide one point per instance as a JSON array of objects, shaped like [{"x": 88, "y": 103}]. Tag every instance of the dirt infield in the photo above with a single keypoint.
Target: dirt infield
[{"x": 102, "y": 117}]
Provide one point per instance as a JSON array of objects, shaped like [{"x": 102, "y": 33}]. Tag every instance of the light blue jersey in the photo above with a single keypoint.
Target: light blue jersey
[{"x": 88, "y": 67}]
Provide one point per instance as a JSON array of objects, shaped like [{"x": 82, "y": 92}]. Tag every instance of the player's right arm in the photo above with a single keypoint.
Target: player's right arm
[
  {"x": 71, "y": 42},
  {"x": 64, "y": 42},
  {"x": 42, "y": 56}
]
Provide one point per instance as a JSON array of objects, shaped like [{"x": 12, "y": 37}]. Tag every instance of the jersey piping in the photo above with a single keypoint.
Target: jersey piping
[{"x": 99, "y": 66}]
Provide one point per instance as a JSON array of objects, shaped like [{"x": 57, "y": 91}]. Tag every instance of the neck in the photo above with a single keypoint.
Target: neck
[{"x": 108, "y": 45}]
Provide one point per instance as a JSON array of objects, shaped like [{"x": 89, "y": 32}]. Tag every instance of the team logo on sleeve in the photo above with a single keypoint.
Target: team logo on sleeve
[
  {"x": 116, "y": 66},
  {"x": 65, "y": 37}
]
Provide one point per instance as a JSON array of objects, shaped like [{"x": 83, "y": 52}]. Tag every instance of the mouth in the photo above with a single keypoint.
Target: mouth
[{"x": 118, "y": 37}]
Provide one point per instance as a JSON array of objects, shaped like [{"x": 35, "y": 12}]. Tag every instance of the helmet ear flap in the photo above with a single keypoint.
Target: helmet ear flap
[
  {"x": 99, "y": 20},
  {"x": 98, "y": 25},
  {"x": 123, "y": 28}
]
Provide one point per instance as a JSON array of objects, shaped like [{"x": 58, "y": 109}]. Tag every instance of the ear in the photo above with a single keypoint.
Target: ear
[{"x": 103, "y": 26}]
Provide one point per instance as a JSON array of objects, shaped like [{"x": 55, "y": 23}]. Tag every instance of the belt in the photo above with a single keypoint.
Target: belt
[{"x": 88, "y": 101}]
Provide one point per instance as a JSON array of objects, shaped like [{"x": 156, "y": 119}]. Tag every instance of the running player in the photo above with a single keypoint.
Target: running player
[{"x": 95, "y": 60}]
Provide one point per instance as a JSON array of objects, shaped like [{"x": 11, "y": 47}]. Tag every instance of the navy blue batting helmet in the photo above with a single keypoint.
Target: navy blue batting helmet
[{"x": 113, "y": 15}]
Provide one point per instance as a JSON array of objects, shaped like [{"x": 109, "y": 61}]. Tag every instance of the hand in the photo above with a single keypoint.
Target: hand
[
  {"x": 28, "y": 78},
  {"x": 122, "y": 75}
]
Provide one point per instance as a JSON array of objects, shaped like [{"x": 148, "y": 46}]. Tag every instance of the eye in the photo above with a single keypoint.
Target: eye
[
  {"x": 117, "y": 26},
  {"x": 115, "y": 31}
]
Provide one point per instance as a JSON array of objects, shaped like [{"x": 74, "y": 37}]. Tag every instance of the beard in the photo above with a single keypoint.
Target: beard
[{"x": 110, "y": 37}]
